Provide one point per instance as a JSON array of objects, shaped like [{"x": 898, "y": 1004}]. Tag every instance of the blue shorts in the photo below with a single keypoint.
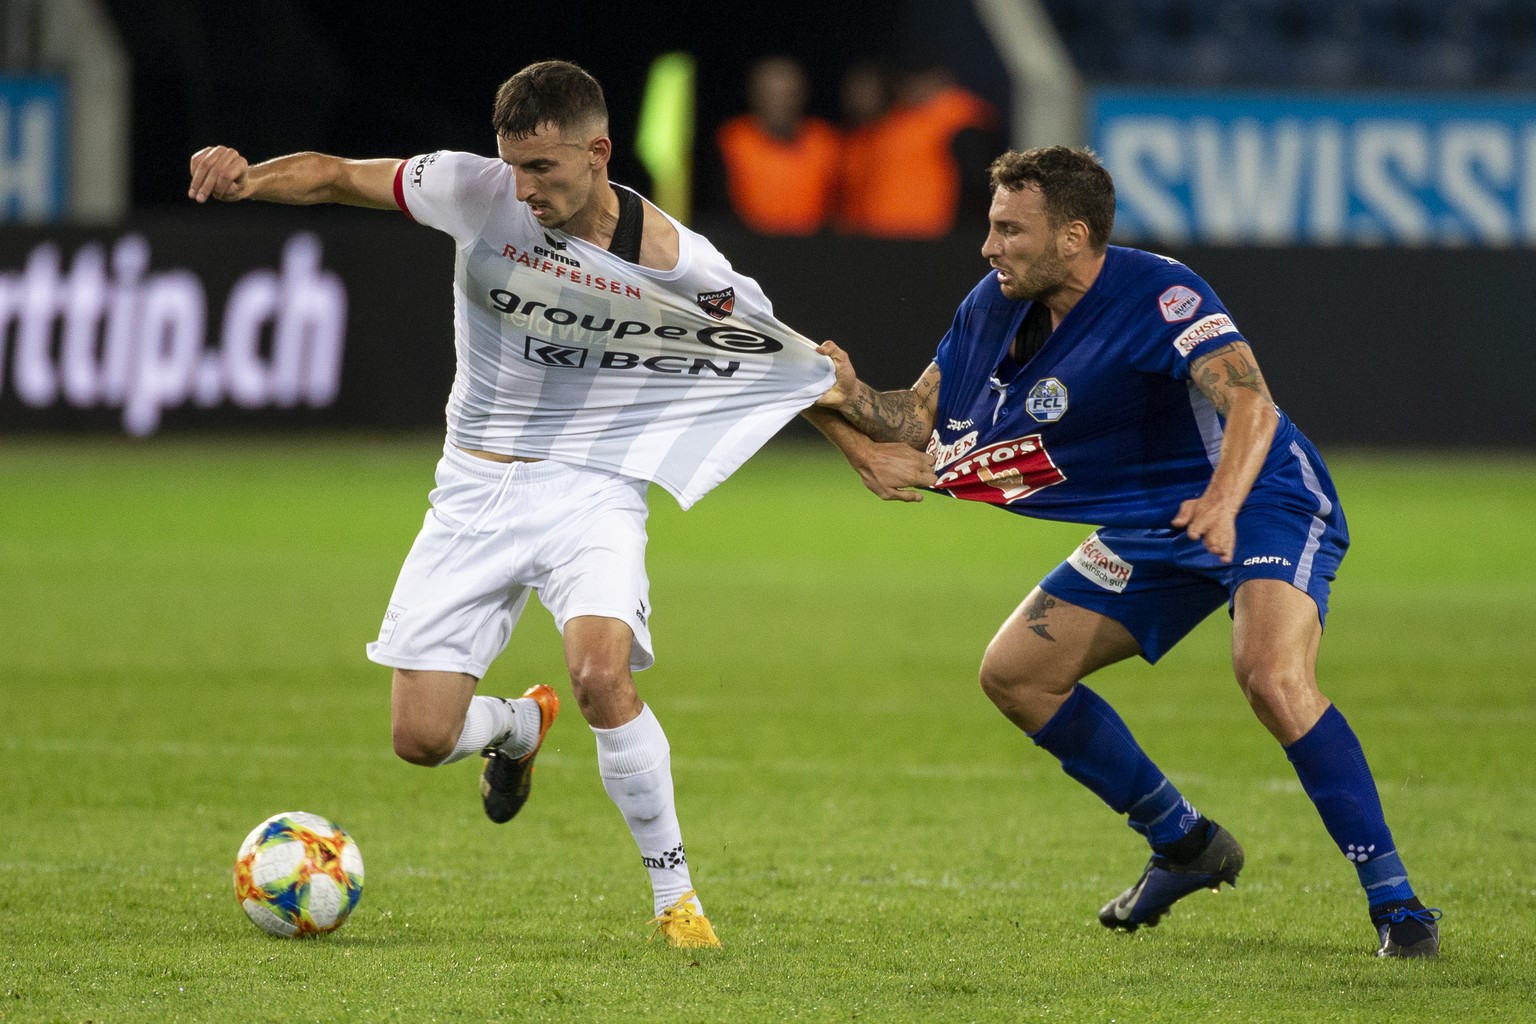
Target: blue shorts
[{"x": 1159, "y": 584}]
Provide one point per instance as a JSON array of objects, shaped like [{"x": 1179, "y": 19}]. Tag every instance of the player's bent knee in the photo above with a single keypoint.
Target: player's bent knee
[
  {"x": 599, "y": 676},
  {"x": 1028, "y": 699},
  {"x": 604, "y": 689},
  {"x": 996, "y": 686},
  {"x": 1009, "y": 678},
  {"x": 1279, "y": 692},
  {"x": 422, "y": 745}
]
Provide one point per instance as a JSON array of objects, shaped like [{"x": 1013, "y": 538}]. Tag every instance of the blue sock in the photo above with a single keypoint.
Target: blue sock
[
  {"x": 1332, "y": 769},
  {"x": 1095, "y": 748}
]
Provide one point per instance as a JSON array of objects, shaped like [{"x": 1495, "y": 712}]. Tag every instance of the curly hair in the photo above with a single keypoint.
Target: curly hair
[{"x": 1072, "y": 181}]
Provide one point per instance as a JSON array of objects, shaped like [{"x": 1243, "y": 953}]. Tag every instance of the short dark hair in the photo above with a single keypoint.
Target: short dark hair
[
  {"x": 553, "y": 92},
  {"x": 1075, "y": 186}
]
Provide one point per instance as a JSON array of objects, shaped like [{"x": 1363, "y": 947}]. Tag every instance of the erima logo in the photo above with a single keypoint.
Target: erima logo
[
  {"x": 718, "y": 304},
  {"x": 1267, "y": 560},
  {"x": 555, "y": 252},
  {"x": 573, "y": 357}
]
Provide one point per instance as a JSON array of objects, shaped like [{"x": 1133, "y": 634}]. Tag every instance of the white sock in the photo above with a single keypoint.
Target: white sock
[
  {"x": 523, "y": 734},
  {"x": 487, "y": 719},
  {"x": 635, "y": 762}
]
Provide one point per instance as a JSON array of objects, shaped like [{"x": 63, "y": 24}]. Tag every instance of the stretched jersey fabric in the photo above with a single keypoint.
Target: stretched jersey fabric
[
  {"x": 1103, "y": 425},
  {"x": 566, "y": 352}
]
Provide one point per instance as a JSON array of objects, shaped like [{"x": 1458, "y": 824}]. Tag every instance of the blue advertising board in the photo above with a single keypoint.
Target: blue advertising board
[
  {"x": 1319, "y": 169},
  {"x": 34, "y": 148}
]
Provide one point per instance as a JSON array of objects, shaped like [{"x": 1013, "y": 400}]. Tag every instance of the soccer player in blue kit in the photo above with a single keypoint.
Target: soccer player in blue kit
[{"x": 1109, "y": 386}]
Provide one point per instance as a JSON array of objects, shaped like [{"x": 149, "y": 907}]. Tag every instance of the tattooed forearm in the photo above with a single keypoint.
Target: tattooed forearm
[
  {"x": 887, "y": 415},
  {"x": 1034, "y": 614},
  {"x": 1222, "y": 372}
]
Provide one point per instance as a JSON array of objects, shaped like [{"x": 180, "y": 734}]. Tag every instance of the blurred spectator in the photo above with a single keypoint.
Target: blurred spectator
[
  {"x": 780, "y": 165},
  {"x": 923, "y": 162},
  {"x": 865, "y": 96}
]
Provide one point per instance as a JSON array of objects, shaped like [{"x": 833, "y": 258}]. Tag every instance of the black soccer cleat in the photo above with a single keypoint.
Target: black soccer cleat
[
  {"x": 1407, "y": 930},
  {"x": 505, "y": 780},
  {"x": 1163, "y": 883}
]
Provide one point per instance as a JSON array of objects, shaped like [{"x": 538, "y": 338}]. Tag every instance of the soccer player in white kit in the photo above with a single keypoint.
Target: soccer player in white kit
[{"x": 600, "y": 345}]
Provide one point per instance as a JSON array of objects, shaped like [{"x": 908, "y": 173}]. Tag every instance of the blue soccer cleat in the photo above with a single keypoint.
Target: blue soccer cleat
[{"x": 1164, "y": 883}]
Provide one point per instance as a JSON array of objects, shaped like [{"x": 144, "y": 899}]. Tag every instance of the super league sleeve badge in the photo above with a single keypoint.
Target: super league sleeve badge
[{"x": 1178, "y": 303}]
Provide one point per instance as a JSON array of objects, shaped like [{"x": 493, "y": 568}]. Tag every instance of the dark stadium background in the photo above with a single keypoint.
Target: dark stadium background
[
  {"x": 1373, "y": 345},
  {"x": 273, "y": 76}
]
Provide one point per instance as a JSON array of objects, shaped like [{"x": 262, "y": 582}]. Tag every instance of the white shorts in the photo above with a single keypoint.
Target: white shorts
[{"x": 499, "y": 530}]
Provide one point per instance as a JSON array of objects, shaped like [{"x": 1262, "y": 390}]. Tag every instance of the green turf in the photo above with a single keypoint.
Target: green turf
[{"x": 181, "y": 631}]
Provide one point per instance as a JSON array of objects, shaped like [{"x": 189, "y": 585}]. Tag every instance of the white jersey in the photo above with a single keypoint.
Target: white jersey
[{"x": 568, "y": 353}]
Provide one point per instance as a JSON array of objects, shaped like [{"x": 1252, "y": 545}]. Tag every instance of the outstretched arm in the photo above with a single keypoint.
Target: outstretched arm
[
  {"x": 883, "y": 436},
  {"x": 890, "y": 471},
  {"x": 901, "y": 416},
  {"x": 299, "y": 179},
  {"x": 1230, "y": 378}
]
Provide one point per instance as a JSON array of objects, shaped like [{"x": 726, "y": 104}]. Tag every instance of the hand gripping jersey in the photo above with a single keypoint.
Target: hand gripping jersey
[
  {"x": 568, "y": 353},
  {"x": 1103, "y": 425}
]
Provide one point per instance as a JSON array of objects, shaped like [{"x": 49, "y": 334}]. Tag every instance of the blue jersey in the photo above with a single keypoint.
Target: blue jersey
[{"x": 1103, "y": 425}]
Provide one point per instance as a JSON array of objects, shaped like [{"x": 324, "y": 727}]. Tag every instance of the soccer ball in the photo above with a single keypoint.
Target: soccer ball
[{"x": 298, "y": 874}]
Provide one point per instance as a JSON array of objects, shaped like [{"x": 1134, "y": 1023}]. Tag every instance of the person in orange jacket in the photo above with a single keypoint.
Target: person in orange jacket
[
  {"x": 909, "y": 173},
  {"x": 781, "y": 166},
  {"x": 865, "y": 97}
]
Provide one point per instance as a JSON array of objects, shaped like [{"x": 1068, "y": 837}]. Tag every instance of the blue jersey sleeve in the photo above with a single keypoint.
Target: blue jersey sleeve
[{"x": 1181, "y": 320}]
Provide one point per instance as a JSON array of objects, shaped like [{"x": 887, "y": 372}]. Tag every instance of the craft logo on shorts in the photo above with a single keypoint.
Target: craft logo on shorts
[
  {"x": 1047, "y": 401},
  {"x": 718, "y": 305},
  {"x": 1178, "y": 303},
  {"x": 1095, "y": 560},
  {"x": 1202, "y": 330}
]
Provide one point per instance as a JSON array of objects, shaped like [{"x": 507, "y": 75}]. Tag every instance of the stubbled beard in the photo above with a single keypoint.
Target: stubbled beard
[{"x": 1045, "y": 279}]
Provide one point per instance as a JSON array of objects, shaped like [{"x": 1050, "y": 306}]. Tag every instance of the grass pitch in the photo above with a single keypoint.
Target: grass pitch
[{"x": 181, "y": 632}]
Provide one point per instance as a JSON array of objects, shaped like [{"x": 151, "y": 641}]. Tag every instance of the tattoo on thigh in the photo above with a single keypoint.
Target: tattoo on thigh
[{"x": 1034, "y": 614}]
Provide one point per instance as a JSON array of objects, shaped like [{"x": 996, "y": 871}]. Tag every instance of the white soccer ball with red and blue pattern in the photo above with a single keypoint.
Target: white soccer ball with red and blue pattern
[{"x": 298, "y": 874}]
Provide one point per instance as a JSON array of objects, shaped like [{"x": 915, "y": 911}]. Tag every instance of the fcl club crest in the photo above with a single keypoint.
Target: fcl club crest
[
  {"x": 718, "y": 305},
  {"x": 1047, "y": 401}
]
